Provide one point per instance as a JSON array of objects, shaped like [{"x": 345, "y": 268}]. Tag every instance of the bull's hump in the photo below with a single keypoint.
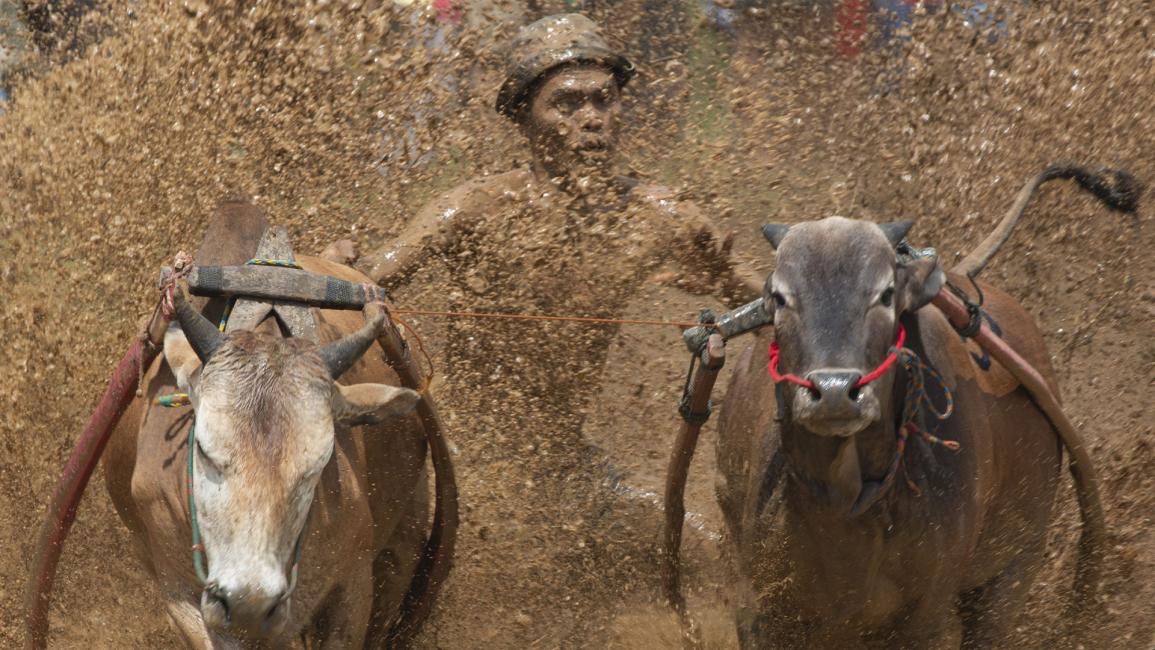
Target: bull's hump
[{"x": 957, "y": 359}]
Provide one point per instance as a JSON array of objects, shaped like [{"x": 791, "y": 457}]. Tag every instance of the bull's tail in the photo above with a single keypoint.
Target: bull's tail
[{"x": 1123, "y": 197}]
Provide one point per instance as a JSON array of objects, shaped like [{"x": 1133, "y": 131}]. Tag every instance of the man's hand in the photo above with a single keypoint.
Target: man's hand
[
  {"x": 342, "y": 251},
  {"x": 708, "y": 267},
  {"x": 706, "y": 241},
  {"x": 706, "y": 260}
]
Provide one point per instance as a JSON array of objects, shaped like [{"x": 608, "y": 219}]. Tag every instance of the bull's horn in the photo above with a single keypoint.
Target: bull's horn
[
  {"x": 340, "y": 355},
  {"x": 896, "y": 230},
  {"x": 774, "y": 233},
  {"x": 202, "y": 335}
]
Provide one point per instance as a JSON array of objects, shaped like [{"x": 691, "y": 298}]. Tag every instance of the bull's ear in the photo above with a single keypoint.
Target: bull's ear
[
  {"x": 774, "y": 233},
  {"x": 371, "y": 403},
  {"x": 918, "y": 282}
]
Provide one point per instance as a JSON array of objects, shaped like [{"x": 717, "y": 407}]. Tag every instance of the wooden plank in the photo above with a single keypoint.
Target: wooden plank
[
  {"x": 248, "y": 314},
  {"x": 298, "y": 320},
  {"x": 281, "y": 284},
  {"x": 294, "y": 319},
  {"x": 287, "y": 293}
]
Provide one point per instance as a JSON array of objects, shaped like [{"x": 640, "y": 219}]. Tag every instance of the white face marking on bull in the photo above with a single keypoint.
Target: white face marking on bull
[
  {"x": 265, "y": 433},
  {"x": 266, "y": 415},
  {"x": 837, "y": 293}
]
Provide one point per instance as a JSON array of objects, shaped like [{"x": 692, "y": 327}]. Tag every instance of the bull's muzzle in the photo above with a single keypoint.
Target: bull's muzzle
[
  {"x": 249, "y": 613},
  {"x": 835, "y": 404}
]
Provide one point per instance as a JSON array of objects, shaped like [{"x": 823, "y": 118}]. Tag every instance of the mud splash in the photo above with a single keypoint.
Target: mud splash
[{"x": 342, "y": 119}]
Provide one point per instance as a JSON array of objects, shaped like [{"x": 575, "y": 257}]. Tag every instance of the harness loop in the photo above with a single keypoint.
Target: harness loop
[
  {"x": 974, "y": 309},
  {"x": 685, "y": 410}
]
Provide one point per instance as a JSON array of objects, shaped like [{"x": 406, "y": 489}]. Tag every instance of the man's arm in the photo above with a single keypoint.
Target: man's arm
[{"x": 434, "y": 230}]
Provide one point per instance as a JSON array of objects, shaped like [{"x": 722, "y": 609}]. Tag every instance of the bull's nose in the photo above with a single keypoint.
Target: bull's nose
[
  {"x": 836, "y": 405},
  {"x": 836, "y": 389},
  {"x": 249, "y": 611},
  {"x": 835, "y": 394}
]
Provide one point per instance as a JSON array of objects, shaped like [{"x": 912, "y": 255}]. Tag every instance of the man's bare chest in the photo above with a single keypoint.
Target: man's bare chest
[{"x": 583, "y": 266}]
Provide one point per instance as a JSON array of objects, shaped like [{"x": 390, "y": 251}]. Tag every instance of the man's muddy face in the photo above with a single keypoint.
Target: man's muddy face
[{"x": 573, "y": 119}]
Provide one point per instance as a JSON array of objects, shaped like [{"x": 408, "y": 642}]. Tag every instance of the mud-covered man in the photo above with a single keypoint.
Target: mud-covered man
[{"x": 565, "y": 236}]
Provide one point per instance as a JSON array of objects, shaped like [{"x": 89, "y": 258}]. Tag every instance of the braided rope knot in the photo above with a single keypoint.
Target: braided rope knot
[
  {"x": 181, "y": 266},
  {"x": 172, "y": 400}
]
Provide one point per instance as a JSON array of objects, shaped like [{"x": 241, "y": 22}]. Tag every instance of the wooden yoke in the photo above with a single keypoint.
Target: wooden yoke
[
  {"x": 277, "y": 298},
  {"x": 281, "y": 284},
  {"x": 695, "y": 410}
]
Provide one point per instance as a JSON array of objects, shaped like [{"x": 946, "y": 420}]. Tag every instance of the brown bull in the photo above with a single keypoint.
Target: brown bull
[
  {"x": 841, "y": 538},
  {"x": 281, "y": 469}
]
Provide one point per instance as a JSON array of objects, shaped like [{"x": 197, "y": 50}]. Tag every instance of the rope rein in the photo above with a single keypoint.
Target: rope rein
[
  {"x": 476, "y": 314},
  {"x": 428, "y": 378},
  {"x": 198, "y": 547},
  {"x": 916, "y": 406},
  {"x": 550, "y": 318}
]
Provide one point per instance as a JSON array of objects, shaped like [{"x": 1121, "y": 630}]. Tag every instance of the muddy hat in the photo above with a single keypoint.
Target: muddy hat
[{"x": 547, "y": 43}]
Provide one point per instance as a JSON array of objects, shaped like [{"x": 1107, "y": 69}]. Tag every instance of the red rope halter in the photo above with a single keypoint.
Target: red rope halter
[{"x": 866, "y": 379}]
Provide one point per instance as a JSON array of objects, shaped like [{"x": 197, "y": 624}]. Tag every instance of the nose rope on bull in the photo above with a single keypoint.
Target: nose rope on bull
[
  {"x": 864, "y": 380},
  {"x": 917, "y": 404}
]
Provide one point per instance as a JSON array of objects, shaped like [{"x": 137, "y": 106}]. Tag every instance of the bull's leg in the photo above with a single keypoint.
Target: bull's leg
[
  {"x": 394, "y": 566},
  {"x": 774, "y": 624},
  {"x": 345, "y": 616},
  {"x": 994, "y": 607},
  {"x": 934, "y": 625},
  {"x": 758, "y": 631}
]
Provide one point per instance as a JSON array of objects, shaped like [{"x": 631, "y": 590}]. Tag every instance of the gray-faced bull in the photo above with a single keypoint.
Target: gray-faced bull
[
  {"x": 881, "y": 479},
  {"x": 302, "y": 523}
]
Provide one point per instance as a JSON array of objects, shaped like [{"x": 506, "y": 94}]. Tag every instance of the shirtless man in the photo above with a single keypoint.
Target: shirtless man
[{"x": 555, "y": 540}]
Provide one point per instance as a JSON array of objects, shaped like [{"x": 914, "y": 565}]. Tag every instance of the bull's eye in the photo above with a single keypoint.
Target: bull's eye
[
  {"x": 779, "y": 299},
  {"x": 887, "y": 297},
  {"x": 204, "y": 459}
]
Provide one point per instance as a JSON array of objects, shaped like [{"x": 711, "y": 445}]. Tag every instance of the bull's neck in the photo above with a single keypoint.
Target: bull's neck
[{"x": 831, "y": 474}]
